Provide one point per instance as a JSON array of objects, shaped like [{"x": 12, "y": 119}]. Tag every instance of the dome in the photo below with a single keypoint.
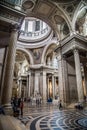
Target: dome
[{"x": 34, "y": 29}]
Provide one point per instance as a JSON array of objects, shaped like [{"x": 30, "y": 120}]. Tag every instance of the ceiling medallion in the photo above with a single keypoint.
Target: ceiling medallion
[
  {"x": 28, "y": 4},
  {"x": 58, "y": 19}
]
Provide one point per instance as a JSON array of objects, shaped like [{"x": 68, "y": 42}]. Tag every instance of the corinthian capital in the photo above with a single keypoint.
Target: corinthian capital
[{"x": 14, "y": 27}]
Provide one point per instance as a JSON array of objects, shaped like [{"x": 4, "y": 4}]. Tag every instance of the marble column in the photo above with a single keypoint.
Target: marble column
[
  {"x": 66, "y": 92},
  {"x": 60, "y": 75},
  {"x": 29, "y": 87},
  {"x": 32, "y": 83},
  {"x": 48, "y": 87},
  {"x": 3, "y": 73},
  {"x": 41, "y": 84},
  {"x": 44, "y": 87},
  {"x": 78, "y": 75},
  {"x": 9, "y": 70},
  {"x": 53, "y": 87},
  {"x": 20, "y": 86},
  {"x": 36, "y": 86},
  {"x": 85, "y": 78}
]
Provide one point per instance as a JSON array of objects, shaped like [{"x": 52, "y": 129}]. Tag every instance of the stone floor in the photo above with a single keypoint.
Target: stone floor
[{"x": 49, "y": 117}]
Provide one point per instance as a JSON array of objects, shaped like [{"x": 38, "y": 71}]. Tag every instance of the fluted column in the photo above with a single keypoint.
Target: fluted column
[
  {"x": 48, "y": 87},
  {"x": 32, "y": 82},
  {"x": 78, "y": 75},
  {"x": 85, "y": 79},
  {"x": 41, "y": 84},
  {"x": 20, "y": 86},
  {"x": 61, "y": 78},
  {"x": 53, "y": 86},
  {"x": 36, "y": 86},
  {"x": 8, "y": 79},
  {"x": 44, "y": 87},
  {"x": 29, "y": 87}
]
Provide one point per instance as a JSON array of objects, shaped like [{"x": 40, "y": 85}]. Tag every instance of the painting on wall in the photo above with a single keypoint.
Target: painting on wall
[{"x": 37, "y": 53}]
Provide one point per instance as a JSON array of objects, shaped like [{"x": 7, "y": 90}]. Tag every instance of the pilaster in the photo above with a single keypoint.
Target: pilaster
[
  {"x": 44, "y": 87},
  {"x": 78, "y": 75}
]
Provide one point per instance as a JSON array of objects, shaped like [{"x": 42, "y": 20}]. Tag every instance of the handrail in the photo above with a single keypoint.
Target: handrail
[
  {"x": 12, "y": 2},
  {"x": 34, "y": 34}
]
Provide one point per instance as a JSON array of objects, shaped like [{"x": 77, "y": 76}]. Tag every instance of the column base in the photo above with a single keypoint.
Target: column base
[
  {"x": 44, "y": 101},
  {"x": 8, "y": 109}
]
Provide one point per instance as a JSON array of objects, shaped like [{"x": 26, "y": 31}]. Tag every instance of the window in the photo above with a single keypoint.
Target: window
[
  {"x": 37, "y": 27},
  {"x": 30, "y": 26}
]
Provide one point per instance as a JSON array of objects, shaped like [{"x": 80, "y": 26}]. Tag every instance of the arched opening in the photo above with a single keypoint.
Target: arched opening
[
  {"x": 21, "y": 70},
  {"x": 81, "y": 22}
]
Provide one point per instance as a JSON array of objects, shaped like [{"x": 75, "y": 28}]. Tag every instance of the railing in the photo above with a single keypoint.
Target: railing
[
  {"x": 12, "y": 3},
  {"x": 34, "y": 34}
]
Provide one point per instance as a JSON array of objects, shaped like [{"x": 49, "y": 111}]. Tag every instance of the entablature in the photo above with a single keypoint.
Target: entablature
[
  {"x": 72, "y": 42},
  {"x": 10, "y": 15}
]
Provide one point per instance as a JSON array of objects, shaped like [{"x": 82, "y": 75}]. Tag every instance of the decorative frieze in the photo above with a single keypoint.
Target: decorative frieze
[{"x": 10, "y": 17}]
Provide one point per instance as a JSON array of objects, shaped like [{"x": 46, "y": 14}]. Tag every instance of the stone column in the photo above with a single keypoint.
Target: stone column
[
  {"x": 27, "y": 87},
  {"x": 3, "y": 72},
  {"x": 48, "y": 87},
  {"x": 36, "y": 86},
  {"x": 66, "y": 92},
  {"x": 53, "y": 87},
  {"x": 85, "y": 78},
  {"x": 41, "y": 84},
  {"x": 32, "y": 82},
  {"x": 78, "y": 75},
  {"x": 44, "y": 87},
  {"x": 60, "y": 75},
  {"x": 9, "y": 71},
  {"x": 20, "y": 86}
]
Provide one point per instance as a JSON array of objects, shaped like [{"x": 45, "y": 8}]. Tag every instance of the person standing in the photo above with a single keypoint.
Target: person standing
[
  {"x": 59, "y": 104},
  {"x": 21, "y": 107}
]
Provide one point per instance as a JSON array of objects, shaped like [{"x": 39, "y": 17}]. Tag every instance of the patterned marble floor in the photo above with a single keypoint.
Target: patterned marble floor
[{"x": 49, "y": 117}]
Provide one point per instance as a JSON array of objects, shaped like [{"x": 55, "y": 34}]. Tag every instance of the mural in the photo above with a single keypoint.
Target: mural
[{"x": 37, "y": 53}]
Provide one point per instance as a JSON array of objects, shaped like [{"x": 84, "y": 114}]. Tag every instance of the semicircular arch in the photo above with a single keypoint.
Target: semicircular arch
[
  {"x": 45, "y": 50},
  {"x": 77, "y": 12},
  {"x": 28, "y": 54}
]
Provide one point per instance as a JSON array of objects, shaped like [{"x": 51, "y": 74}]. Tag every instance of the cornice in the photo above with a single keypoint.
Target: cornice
[
  {"x": 41, "y": 66},
  {"x": 73, "y": 36},
  {"x": 13, "y": 9}
]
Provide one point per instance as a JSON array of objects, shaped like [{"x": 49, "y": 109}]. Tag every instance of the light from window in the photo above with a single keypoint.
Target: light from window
[{"x": 30, "y": 26}]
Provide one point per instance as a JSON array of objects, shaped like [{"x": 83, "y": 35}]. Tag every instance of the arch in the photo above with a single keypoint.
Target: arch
[
  {"x": 77, "y": 12},
  {"x": 44, "y": 52},
  {"x": 28, "y": 53},
  {"x": 66, "y": 18},
  {"x": 50, "y": 21}
]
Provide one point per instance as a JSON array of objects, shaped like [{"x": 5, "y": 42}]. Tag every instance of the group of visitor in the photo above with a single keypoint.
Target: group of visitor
[{"x": 17, "y": 105}]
